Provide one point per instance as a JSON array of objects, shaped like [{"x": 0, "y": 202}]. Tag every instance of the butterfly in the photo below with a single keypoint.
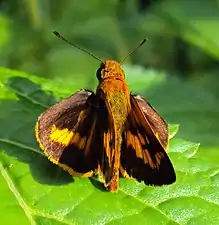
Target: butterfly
[{"x": 110, "y": 132}]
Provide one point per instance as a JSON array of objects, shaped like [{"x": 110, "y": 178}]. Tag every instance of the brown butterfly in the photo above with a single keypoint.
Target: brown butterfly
[{"x": 110, "y": 132}]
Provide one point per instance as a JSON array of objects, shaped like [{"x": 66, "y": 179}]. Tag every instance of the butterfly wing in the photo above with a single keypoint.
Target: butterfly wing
[
  {"x": 108, "y": 157},
  {"x": 107, "y": 136},
  {"x": 69, "y": 134},
  {"x": 143, "y": 155},
  {"x": 157, "y": 123}
]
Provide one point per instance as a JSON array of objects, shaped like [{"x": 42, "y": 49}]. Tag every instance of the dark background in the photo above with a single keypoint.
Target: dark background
[{"x": 177, "y": 69}]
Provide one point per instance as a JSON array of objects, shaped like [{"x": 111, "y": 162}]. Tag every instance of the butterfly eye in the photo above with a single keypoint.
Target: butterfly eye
[
  {"x": 99, "y": 74},
  {"x": 100, "y": 71}
]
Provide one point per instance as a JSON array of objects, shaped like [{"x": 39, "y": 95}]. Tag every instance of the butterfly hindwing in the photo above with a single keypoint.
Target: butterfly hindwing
[
  {"x": 68, "y": 134},
  {"x": 143, "y": 155}
]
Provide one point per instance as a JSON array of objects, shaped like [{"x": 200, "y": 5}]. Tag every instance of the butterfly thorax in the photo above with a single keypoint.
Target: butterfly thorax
[{"x": 115, "y": 91}]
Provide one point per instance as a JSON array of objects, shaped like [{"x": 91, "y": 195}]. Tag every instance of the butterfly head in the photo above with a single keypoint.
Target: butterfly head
[{"x": 110, "y": 69}]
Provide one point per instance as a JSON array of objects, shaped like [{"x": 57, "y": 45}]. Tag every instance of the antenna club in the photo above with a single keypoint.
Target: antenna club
[
  {"x": 56, "y": 33},
  {"x": 137, "y": 47},
  {"x": 81, "y": 49}
]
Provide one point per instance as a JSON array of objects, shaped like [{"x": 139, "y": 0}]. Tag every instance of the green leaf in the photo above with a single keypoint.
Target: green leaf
[{"x": 35, "y": 191}]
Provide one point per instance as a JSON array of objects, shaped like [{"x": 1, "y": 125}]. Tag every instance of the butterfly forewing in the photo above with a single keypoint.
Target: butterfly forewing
[
  {"x": 68, "y": 134},
  {"x": 142, "y": 154},
  {"x": 157, "y": 123}
]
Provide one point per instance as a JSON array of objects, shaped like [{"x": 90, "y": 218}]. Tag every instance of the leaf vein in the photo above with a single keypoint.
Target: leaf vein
[
  {"x": 17, "y": 195},
  {"x": 148, "y": 205},
  {"x": 20, "y": 145}
]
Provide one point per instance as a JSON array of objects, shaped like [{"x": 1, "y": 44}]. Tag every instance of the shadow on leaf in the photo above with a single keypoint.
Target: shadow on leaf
[{"x": 98, "y": 184}]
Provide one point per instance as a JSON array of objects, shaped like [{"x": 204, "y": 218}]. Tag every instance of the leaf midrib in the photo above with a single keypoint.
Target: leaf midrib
[
  {"x": 17, "y": 195},
  {"x": 27, "y": 210}
]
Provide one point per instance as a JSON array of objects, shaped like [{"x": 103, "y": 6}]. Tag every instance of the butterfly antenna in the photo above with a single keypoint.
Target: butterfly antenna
[
  {"x": 83, "y": 50},
  {"x": 136, "y": 48}
]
